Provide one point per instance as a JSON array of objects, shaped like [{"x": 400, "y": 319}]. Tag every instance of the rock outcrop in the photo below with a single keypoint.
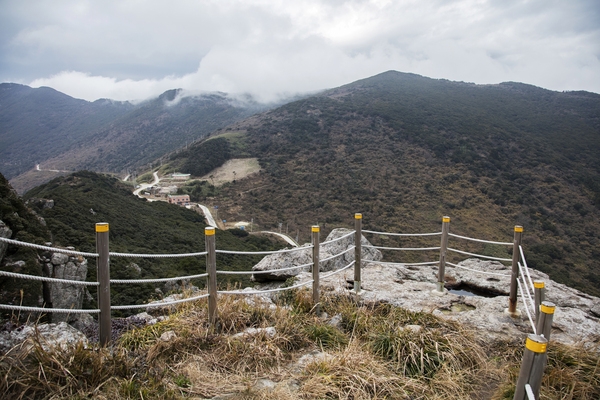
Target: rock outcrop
[
  {"x": 6, "y": 233},
  {"x": 50, "y": 336},
  {"x": 64, "y": 295},
  {"x": 274, "y": 263},
  {"x": 576, "y": 318}
]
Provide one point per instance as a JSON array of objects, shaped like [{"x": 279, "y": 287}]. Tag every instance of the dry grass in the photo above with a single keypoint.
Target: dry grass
[{"x": 370, "y": 354}]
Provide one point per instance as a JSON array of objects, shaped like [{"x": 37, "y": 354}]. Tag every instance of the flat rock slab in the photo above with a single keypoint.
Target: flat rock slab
[{"x": 413, "y": 288}]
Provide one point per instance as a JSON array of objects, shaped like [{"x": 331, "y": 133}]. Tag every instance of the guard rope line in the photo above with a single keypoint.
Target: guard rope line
[
  {"x": 338, "y": 270},
  {"x": 45, "y": 279},
  {"x": 479, "y": 240},
  {"x": 476, "y": 270},
  {"x": 404, "y": 234},
  {"x": 265, "y": 291},
  {"x": 262, "y": 272},
  {"x": 203, "y": 253},
  {"x": 337, "y": 255},
  {"x": 399, "y": 263},
  {"x": 178, "y": 278},
  {"x": 154, "y": 305},
  {"x": 480, "y": 255},
  {"x": 47, "y": 310},
  {"x": 46, "y": 248},
  {"x": 526, "y": 307},
  {"x": 253, "y": 253},
  {"x": 403, "y": 248},
  {"x": 526, "y": 268},
  {"x": 530, "y": 290},
  {"x": 340, "y": 238}
]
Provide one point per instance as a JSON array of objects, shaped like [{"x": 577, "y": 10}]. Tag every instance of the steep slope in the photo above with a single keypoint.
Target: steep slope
[
  {"x": 405, "y": 150},
  {"x": 61, "y": 133},
  {"x": 38, "y": 124}
]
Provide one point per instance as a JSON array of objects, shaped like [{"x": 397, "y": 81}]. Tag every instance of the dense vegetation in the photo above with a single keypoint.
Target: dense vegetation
[
  {"x": 27, "y": 227},
  {"x": 405, "y": 150},
  {"x": 136, "y": 226},
  {"x": 202, "y": 158}
]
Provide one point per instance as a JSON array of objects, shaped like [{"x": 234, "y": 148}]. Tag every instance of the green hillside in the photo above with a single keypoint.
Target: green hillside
[
  {"x": 136, "y": 226},
  {"x": 405, "y": 150}
]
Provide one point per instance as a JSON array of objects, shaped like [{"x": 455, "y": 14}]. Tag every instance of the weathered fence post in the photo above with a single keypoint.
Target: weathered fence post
[
  {"x": 443, "y": 250},
  {"x": 103, "y": 266},
  {"x": 357, "y": 250},
  {"x": 544, "y": 323},
  {"x": 532, "y": 367},
  {"x": 512, "y": 298},
  {"x": 211, "y": 269},
  {"x": 315, "y": 269},
  {"x": 539, "y": 293}
]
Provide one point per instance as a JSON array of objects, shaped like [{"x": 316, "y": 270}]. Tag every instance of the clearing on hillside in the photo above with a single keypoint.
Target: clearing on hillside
[{"x": 233, "y": 169}]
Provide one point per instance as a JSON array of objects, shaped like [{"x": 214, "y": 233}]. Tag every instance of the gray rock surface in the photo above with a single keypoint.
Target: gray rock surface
[
  {"x": 6, "y": 233},
  {"x": 575, "y": 321},
  {"x": 275, "y": 262},
  {"x": 64, "y": 295},
  {"x": 50, "y": 336}
]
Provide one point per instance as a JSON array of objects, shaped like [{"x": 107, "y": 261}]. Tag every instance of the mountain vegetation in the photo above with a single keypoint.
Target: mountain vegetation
[
  {"x": 405, "y": 150},
  {"x": 136, "y": 226},
  {"x": 66, "y": 134}
]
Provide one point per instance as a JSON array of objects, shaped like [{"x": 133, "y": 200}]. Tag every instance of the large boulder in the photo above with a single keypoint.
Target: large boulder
[
  {"x": 274, "y": 263},
  {"x": 50, "y": 336},
  {"x": 64, "y": 295}
]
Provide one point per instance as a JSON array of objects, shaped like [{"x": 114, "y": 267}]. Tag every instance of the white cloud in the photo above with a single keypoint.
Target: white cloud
[{"x": 132, "y": 49}]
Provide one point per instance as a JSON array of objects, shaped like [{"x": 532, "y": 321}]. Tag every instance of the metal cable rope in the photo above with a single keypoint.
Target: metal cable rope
[
  {"x": 403, "y": 248},
  {"x": 480, "y": 240},
  {"x": 475, "y": 270},
  {"x": 46, "y": 248},
  {"x": 169, "y": 303},
  {"x": 340, "y": 238},
  {"x": 262, "y": 272},
  {"x": 203, "y": 253},
  {"x": 178, "y": 278},
  {"x": 526, "y": 307},
  {"x": 47, "y": 310},
  {"x": 526, "y": 267},
  {"x": 399, "y": 263},
  {"x": 528, "y": 288},
  {"x": 252, "y": 253},
  {"x": 338, "y": 271},
  {"x": 479, "y": 255},
  {"x": 404, "y": 234},
  {"x": 337, "y": 255},
  {"x": 266, "y": 291},
  {"x": 45, "y": 279}
]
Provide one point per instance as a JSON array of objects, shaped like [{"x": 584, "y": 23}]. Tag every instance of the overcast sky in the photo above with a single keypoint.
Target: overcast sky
[{"x": 135, "y": 49}]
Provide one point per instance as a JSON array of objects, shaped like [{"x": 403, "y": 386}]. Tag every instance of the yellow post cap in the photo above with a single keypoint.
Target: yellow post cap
[
  {"x": 547, "y": 308},
  {"x": 446, "y": 219},
  {"x": 535, "y": 343},
  {"x": 539, "y": 284},
  {"x": 357, "y": 216},
  {"x": 316, "y": 228},
  {"x": 518, "y": 228},
  {"x": 209, "y": 230},
  {"x": 102, "y": 227}
]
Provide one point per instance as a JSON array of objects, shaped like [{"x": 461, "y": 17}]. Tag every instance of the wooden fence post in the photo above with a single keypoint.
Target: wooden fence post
[
  {"x": 211, "y": 269},
  {"x": 539, "y": 292},
  {"x": 103, "y": 273},
  {"x": 315, "y": 269},
  {"x": 544, "y": 323},
  {"x": 357, "y": 251},
  {"x": 443, "y": 251},
  {"x": 512, "y": 298},
  {"x": 532, "y": 367}
]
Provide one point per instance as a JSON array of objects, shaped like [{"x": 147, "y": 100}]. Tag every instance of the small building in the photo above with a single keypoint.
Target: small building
[
  {"x": 180, "y": 177},
  {"x": 180, "y": 199}
]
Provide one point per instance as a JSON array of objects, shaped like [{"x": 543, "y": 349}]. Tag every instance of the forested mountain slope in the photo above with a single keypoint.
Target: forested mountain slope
[
  {"x": 405, "y": 150},
  {"x": 62, "y": 133}
]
